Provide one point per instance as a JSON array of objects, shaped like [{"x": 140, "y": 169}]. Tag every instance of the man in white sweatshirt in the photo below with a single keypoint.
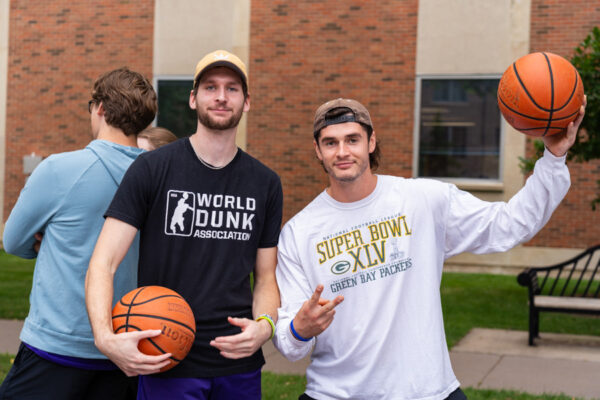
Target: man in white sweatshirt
[{"x": 378, "y": 244}]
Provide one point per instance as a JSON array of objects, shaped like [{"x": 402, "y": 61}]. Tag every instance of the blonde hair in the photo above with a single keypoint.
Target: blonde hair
[{"x": 157, "y": 136}]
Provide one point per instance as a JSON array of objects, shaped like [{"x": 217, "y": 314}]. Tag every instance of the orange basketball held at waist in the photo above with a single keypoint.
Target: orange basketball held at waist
[
  {"x": 540, "y": 94},
  {"x": 157, "y": 307}
]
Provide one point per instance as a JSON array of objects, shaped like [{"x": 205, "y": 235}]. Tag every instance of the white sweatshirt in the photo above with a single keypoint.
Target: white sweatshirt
[{"x": 385, "y": 254}]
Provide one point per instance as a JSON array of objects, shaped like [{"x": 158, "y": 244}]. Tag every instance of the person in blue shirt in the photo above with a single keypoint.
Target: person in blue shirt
[{"x": 63, "y": 202}]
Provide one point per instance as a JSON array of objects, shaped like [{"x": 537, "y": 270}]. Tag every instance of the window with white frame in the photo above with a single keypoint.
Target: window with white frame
[
  {"x": 174, "y": 112},
  {"x": 459, "y": 128}
]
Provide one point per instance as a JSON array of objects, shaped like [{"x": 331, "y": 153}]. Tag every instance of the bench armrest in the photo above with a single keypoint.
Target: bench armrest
[{"x": 526, "y": 277}]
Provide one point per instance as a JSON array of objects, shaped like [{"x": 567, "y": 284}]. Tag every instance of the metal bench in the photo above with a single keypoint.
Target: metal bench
[{"x": 572, "y": 286}]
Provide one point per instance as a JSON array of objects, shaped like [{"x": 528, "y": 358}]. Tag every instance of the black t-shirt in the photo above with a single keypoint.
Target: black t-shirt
[{"x": 200, "y": 229}]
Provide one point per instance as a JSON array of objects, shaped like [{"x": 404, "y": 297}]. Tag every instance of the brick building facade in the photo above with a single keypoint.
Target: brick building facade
[
  {"x": 300, "y": 54},
  {"x": 559, "y": 27},
  {"x": 56, "y": 51},
  {"x": 310, "y": 52}
]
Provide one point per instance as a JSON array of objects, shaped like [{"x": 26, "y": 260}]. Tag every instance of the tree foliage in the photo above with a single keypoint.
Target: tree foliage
[
  {"x": 587, "y": 62},
  {"x": 587, "y": 146}
]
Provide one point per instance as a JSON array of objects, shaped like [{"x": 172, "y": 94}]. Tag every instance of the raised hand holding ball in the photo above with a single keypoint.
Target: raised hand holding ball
[{"x": 540, "y": 94}]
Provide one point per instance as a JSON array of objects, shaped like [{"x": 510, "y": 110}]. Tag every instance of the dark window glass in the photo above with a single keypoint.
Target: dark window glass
[
  {"x": 174, "y": 112},
  {"x": 459, "y": 135}
]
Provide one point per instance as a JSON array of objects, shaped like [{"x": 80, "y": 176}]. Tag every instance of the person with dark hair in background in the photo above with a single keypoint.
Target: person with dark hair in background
[{"x": 63, "y": 201}]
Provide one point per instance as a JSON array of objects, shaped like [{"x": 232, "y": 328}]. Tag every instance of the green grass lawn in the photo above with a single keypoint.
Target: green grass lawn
[
  {"x": 468, "y": 300},
  {"x": 498, "y": 302},
  {"x": 288, "y": 387},
  {"x": 5, "y": 363},
  {"x": 282, "y": 387},
  {"x": 15, "y": 285}
]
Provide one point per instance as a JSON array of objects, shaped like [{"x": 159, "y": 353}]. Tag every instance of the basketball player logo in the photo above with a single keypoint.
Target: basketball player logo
[{"x": 180, "y": 213}]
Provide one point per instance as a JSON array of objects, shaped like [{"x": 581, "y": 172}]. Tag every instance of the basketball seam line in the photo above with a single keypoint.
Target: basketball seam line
[
  {"x": 149, "y": 300},
  {"x": 155, "y": 317},
  {"x": 162, "y": 350},
  {"x": 131, "y": 305},
  {"x": 533, "y": 100},
  {"x": 153, "y": 343},
  {"x": 525, "y": 88},
  {"x": 572, "y": 92},
  {"x": 137, "y": 328},
  {"x": 560, "y": 128},
  {"x": 535, "y": 118},
  {"x": 551, "y": 94}
]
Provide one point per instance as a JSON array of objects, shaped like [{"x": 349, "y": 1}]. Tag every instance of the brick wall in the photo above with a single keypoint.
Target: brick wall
[
  {"x": 56, "y": 51},
  {"x": 305, "y": 53},
  {"x": 559, "y": 26}
]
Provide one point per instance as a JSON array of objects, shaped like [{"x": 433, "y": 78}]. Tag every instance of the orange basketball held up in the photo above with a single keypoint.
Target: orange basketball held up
[
  {"x": 540, "y": 94},
  {"x": 157, "y": 307}
]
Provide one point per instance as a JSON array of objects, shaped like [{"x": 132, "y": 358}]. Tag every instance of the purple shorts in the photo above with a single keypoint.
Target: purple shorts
[{"x": 244, "y": 386}]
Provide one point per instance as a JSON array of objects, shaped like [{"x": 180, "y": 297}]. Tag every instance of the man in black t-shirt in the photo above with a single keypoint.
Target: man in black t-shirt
[{"x": 208, "y": 215}]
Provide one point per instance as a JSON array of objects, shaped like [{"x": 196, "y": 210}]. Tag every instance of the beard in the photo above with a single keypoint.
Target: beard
[
  {"x": 206, "y": 120},
  {"x": 340, "y": 177}
]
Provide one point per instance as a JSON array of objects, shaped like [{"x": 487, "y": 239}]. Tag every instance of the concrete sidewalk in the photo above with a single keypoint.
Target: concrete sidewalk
[
  {"x": 500, "y": 359},
  {"x": 484, "y": 359}
]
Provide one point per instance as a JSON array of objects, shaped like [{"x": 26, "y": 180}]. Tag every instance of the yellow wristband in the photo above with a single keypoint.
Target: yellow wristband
[{"x": 268, "y": 318}]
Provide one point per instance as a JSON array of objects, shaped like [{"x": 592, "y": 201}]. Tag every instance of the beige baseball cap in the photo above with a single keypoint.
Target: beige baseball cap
[
  {"x": 221, "y": 58},
  {"x": 328, "y": 114}
]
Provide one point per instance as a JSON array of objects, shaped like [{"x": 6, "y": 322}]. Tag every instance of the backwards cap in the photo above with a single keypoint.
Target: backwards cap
[
  {"x": 339, "y": 111},
  {"x": 221, "y": 58}
]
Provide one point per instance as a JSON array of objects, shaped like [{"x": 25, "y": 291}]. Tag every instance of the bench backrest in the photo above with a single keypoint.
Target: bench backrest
[{"x": 577, "y": 277}]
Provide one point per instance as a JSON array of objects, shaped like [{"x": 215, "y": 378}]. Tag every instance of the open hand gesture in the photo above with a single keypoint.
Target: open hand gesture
[{"x": 254, "y": 334}]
